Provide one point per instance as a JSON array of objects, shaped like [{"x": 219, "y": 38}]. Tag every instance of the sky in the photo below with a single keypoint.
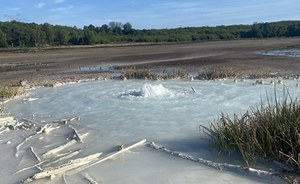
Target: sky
[{"x": 149, "y": 14}]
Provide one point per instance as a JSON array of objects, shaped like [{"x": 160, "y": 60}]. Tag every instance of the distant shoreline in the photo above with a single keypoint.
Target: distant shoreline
[{"x": 62, "y": 63}]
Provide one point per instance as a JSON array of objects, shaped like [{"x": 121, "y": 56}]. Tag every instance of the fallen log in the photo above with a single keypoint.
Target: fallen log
[
  {"x": 62, "y": 169},
  {"x": 59, "y": 148},
  {"x": 65, "y": 157},
  {"x": 111, "y": 155}
]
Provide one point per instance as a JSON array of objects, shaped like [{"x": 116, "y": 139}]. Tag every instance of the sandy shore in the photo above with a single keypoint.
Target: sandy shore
[{"x": 65, "y": 64}]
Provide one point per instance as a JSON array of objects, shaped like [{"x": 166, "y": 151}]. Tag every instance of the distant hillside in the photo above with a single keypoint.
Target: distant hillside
[{"x": 18, "y": 34}]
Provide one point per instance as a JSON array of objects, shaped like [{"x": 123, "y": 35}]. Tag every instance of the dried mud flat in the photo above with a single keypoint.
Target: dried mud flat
[{"x": 64, "y": 63}]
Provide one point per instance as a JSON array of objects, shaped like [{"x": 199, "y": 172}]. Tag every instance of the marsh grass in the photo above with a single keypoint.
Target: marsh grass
[
  {"x": 261, "y": 74},
  {"x": 135, "y": 73},
  {"x": 271, "y": 131},
  {"x": 177, "y": 74},
  {"x": 7, "y": 92},
  {"x": 212, "y": 73}
]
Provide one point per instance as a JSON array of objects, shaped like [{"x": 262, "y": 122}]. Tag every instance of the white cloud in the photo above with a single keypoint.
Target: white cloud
[
  {"x": 40, "y": 5},
  {"x": 62, "y": 9}
]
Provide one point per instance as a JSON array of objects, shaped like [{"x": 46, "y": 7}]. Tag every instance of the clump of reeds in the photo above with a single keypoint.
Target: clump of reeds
[
  {"x": 261, "y": 74},
  {"x": 177, "y": 74},
  {"x": 271, "y": 131},
  {"x": 212, "y": 73},
  {"x": 7, "y": 92},
  {"x": 135, "y": 73}
]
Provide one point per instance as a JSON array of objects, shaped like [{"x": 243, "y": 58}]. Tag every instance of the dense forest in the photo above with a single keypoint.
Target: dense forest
[{"x": 18, "y": 34}]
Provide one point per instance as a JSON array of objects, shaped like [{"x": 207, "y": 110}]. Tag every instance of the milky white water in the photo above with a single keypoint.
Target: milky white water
[{"x": 166, "y": 112}]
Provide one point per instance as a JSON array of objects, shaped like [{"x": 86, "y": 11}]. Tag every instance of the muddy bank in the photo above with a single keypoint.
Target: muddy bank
[{"x": 65, "y": 64}]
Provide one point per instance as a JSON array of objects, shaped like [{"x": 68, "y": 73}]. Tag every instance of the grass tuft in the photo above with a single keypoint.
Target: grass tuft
[
  {"x": 7, "y": 92},
  {"x": 177, "y": 74},
  {"x": 135, "y": 73},
  {"x": 271, "y": 131},
  {"x": 212, "y": 73}
]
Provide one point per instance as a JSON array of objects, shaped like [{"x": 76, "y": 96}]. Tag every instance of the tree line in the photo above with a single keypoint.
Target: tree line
[{"x": 19, "y": 34}]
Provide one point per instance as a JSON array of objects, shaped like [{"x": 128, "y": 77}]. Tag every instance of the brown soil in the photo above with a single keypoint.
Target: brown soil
[{"x": 64, "y": 63}]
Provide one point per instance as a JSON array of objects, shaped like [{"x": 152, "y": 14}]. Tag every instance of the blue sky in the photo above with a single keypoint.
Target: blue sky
[{"x": 149, "y": 13}]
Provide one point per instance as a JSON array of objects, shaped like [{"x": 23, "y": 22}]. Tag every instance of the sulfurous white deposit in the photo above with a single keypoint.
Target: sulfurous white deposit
[{"x": 90, "y": 132}]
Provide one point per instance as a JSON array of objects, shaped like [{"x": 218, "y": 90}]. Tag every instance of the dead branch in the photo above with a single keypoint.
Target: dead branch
[
  {"x": 61, "y": 169},
  {"x": 34, "y": 154},
  {"x": 111, "y": 155},
  {"x": 88, "y": 178},
  {"x": 58, "y": 149}
]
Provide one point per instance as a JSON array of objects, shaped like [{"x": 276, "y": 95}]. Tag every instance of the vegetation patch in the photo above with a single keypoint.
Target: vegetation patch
[
  {"x": 136, "y": 73},
  {"x": 44, "y": 35},
  {"x": 271, "y": 131},
  {"x": 177, "y": 74},
  {"x": 211, "y": 73},
  {"x": 7, "y": 92}
]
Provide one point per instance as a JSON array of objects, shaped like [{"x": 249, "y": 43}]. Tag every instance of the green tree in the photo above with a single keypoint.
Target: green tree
[
  {"x": 3, "y": 40},
  {"x": 61, "y": 37},
  {"x": 89, "y": 37},
  {"x": 48, "y": 30},
  {"x": 115, "y": 27},
  {"x": 127, "y": 28}
]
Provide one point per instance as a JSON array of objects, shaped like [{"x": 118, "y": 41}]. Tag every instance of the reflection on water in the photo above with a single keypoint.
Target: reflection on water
[{"x": 284, "y": 52}]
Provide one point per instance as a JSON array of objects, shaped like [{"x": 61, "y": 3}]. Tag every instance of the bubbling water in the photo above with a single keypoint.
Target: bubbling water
[{"x": 150, "y": 91}]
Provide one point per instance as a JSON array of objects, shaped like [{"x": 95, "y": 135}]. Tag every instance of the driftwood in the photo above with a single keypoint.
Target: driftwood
[
  {"x": 62, "y": 169},
  {"x": 193, "y": 90},
  {"x": 111, "y": 155},
  {"x": 66, "y": 121},
  {"x": 64, "y": 179},
  {"x": 34, "y": 154},
  {"x": 220, "y": 166},
  {"x": 75, "y": 138},
  {"x": 59, "y": 148},
  {"x": 64, "y": 157},
  {"x": 88, "y": 178},
  {"x": 43, "y": 129},
  {"x": 76, "y": 135},
  {"x": 7, "y": 120},
  {"x": 30, "y": 167}
]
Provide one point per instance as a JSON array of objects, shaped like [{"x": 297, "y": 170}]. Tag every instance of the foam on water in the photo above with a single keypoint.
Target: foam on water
[{"x": 150, "y": 91}]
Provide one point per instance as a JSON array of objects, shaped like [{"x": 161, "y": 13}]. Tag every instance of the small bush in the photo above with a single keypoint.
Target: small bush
[
  {"x": 216, "y": 73},
  {"x": 7, "y": 92},
  {"x": 267, "y": 131}
]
